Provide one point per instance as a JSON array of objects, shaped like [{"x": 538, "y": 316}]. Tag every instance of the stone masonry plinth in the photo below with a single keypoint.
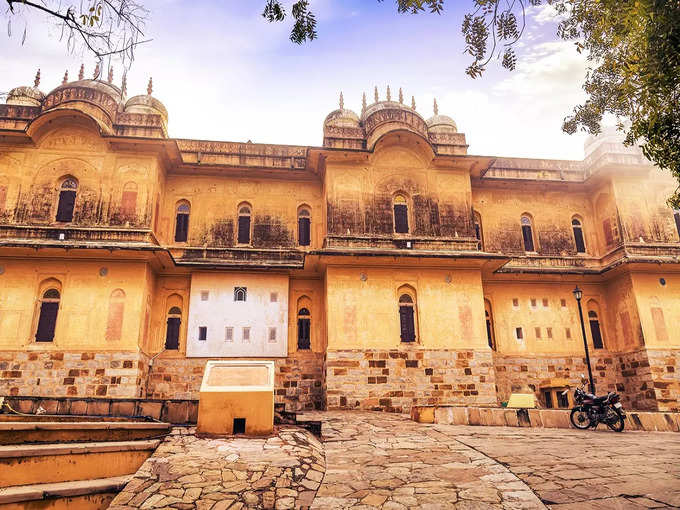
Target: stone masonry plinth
[{"x": 394, "y": 380}]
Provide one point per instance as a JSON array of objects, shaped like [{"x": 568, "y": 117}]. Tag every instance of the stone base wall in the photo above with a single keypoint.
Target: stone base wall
[
  {"x": 72, "y": 374},
  {"x": 395, "y": 380},
  {"x": 665, "y": 371},
  {"x": 298, "y": 380},
  {"x": 645, "y": 379}
]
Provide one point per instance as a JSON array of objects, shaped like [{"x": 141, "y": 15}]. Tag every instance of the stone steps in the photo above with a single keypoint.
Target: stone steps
[
  {"x": 26, "y": 464},
  {"x": 75, "y": 432},
  {"x": 83, "y": 494}
]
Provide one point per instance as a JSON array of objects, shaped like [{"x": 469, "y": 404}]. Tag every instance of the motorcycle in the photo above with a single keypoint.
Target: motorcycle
[{"x": 591, "y": 410}]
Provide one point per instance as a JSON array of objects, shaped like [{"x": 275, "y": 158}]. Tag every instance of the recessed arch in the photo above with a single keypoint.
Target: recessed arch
[
  {"x": 577, "y": 231},
  {"x": 490, "y": 328},
  {"x": 304, "y": 215},
  {"x": 304, "y": 323},
  {"x": 116, "y": 316},
  {"x": 244, "y": 212},
  {"x": 528, "y": 237},
  {"x": 68, "y": 190},
  {"x": 408, "y": 317},
  {"x": 593, "y": 308},
  {"x": 479, "y": 232},
  {"x": 174, "y": 306},
  {"x": 49, "y": 301},
  {"x": 182, "y": 215},
  {"x": 400, "y": 210}
]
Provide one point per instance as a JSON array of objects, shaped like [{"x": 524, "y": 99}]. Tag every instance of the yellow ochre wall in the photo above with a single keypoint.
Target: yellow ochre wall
[
  {"x": 365, "y": 314},
  {"x": 83, "y": 309},
  {"x": 659, "y": 308}
]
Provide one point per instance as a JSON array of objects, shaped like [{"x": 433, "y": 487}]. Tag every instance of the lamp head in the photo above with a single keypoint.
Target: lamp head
[{"x": 578, "y": 293}]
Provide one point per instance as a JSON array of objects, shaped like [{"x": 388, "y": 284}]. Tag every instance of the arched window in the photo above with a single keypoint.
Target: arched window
[
  {"x": 400, "y": 214},
  {"x": 128, "y": 206},
  {"x": 304, "y": 226},
  {"x": 182, "y": 221},
  {"x": 114, "y": 323},
  {"x": 244, "y": 213},
  {"x": 527, "y": 233},
  {"x": 304, "y": 326},
  {"x": 407, "y": 315},
  {"x": 595, "y": 331},
  {"x": 676, "y": 216},
  {"x": 67, "y": 199},
  {"x": 490, "y": 333},
  {"x": 172, "y": 331},
  {"x": 478, "y": 231},
  {"x": 579, "y": 240},
  {"x": 47, "y": 318}
]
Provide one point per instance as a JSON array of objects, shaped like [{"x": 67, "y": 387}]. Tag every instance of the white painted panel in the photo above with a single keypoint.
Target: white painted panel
[{"x": 220, "y": 311}]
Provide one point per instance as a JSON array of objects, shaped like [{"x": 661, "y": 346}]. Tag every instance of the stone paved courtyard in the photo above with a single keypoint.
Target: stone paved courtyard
[{"x": 373, "y": 460}]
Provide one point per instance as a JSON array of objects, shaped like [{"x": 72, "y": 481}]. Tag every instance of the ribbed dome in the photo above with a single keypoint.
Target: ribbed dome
[
  {"x": 146, "y": 104},
  {"x": 441, "y": 123},
  {"x": 25, "y": 96},
  {"x": 342, "y": 118}
]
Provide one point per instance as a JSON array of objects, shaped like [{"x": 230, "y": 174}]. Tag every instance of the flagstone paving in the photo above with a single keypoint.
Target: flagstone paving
[
  {"x": 380, "y": 460},
  {"x": 584, "y": 470}
]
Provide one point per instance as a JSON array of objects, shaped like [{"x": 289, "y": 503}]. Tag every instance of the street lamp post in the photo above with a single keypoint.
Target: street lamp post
[{"x": 578, "y": 294}]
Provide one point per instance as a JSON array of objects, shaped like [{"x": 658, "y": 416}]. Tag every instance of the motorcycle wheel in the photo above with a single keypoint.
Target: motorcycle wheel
[
  {"x": 579, "y": 418},
  {"x": 615, "y": 421}
]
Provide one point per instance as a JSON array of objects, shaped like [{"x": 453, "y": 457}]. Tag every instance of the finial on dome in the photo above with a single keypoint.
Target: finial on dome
[
  {"x": 95, "y": 75},
  {"x": 36, "y": 82},
  {"x": 401, "y": 96},
  {"x": 389, "y": 94},
  {"x": 149, "y": 88},
  {"x": 436, "y": 107},
  {"x": 81, "y": 74},
  {"x": 342, "y": 101},
  {"x": 413, "y": 102},
  {"x": 363, "y": 103},
  {"x": 123, "y": 85},
  {"x": 110, "y": 75},
  {"x": 375, "y": 94},
  {"x": 65, "y": 80}
]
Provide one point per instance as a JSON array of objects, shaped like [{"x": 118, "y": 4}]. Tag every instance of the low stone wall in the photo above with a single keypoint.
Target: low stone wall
[
  {"x": 179, "y": 412},
  {"x": 542, "y": 418},
  {"x": 68, "y": 373},
  {"x": 298, "y": 379},
  {"x": 395, "y": 380},
  {"x": 645, "y": 379}
]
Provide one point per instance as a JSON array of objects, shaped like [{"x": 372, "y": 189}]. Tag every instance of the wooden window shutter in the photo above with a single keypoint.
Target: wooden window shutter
[
  {"x": 303, "y": 231},
  {"x": 47, "y": 322},
  {"x": 597, "y": 335},
  {"x": 172, "y": 334},
  {"x": 578, "y": 238},
  {"x": 244, "y": 230},
  {"x": 528, "y": 238},
  {"x": 303, "y": 333},
  {"x": 182, "y": 228},
  {"x": 408, "y": 329},
  {"x": 400, "y": 218},
  {"x": 67, "y": 202}
]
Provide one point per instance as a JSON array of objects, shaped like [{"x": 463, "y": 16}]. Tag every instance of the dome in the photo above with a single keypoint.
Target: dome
[
  {"x": 25, "y": 96},
  {"x": 147, "y": 104},
  {"x": 342, "y": 118},
  {"x": 441, "y": 123},
  {"x": 104, "y": 87}
]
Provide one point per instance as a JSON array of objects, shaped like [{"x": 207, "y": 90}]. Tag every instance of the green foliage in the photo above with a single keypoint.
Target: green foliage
[{"x": 632, "y": 47}]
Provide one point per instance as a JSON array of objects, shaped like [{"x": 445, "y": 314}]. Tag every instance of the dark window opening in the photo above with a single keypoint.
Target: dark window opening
[
  {"x": 182, "y": 228},
  {"x": 172, "y": 333},
  {"x": 519, "y": 333},
  {"x": 304, "y": 237},
  {"x": 202, "y": 333},
  {"x": 562, "y": 400},
  {"x": 304, "y": 337},
  {"x": 676, "y": 216},
  {"x": 528, "y": 238},
  {"x": 407, "y": 319},
  {"x": 401, "y": 218},
  {"x": 578, "y": 236},
  {"x": 240, "y": 293},
  {"x": 548, "y": 399},
  {"x": 244, "y": 225},
  {"x": 239, "y": 425},
  {"x": 47, "y": 321},
  {"x": 595, "y": 330}
]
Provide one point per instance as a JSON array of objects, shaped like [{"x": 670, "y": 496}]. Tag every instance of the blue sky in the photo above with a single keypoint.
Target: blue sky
[{"x": 224, "y": 73}]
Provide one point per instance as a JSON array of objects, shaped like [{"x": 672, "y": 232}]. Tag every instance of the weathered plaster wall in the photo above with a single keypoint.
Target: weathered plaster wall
[
  {"x": 360, "y": 193},
  {"x": 659, "y": 308},
  {"x": 265, "y": 307},
  {"x": 363, "y": 313},
  {"x": 214, "y": 201},
  {"x": 30, "y": 179},
  {"x": 90, "y": 304}
]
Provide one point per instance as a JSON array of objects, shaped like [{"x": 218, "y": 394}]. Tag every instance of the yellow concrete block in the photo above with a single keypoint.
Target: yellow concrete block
[
  {"x": 522, "y": 401},
  {"x": 237, "y": 393}
]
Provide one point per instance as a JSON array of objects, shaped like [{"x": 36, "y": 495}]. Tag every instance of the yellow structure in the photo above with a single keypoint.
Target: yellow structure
[
  {"x": 237, "y": 397},
  {"x": 383, "y": 269}
]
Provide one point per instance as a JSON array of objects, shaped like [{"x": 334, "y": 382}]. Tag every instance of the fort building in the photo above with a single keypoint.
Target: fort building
[{"x": 382, "y": 269}]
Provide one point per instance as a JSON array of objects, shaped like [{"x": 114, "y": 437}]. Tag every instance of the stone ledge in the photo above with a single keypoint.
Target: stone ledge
[
  {"x": 24, "y": 493},
  {"x": 43, "y": 450},
  {"x": 540, "y": 418},
  {"x": 102, "y": 425}
]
